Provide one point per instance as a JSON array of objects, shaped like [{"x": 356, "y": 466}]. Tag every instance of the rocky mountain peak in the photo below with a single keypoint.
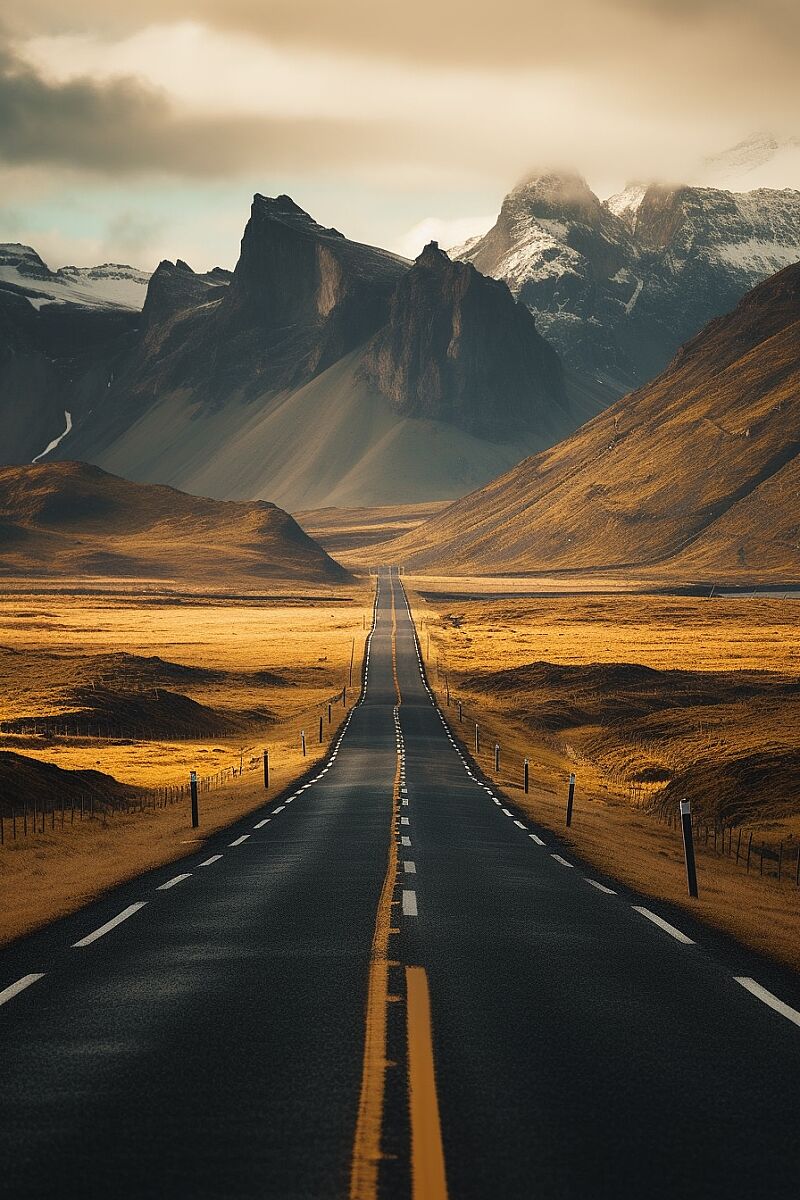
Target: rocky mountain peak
[
  {"x": 554, "y": 194},
  {"x": 296, "y": 276},
  {"x": 458, "y": 348},
  {"x": 175, "y": 287},
  {"x": 433, "y": 257}
]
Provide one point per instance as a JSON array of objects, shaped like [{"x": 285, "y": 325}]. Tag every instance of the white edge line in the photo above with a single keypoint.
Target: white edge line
[
  {"x": 14, "y": 989},
  {"x": 766, "y": 997},
  {"x": 665, "y": 925},
  {"x": 109, "y": 925}
]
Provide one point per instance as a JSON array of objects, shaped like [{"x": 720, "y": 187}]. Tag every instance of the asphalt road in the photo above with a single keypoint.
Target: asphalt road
[{"x": 389, "y": 984}]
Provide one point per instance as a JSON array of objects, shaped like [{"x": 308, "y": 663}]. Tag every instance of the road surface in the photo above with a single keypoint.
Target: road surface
[{"x": 391, "y": 984}]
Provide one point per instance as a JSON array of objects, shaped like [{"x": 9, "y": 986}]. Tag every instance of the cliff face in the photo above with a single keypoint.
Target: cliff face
[
  {"x": 299, "y": 282},
  {"x": 458, "y": 348}
]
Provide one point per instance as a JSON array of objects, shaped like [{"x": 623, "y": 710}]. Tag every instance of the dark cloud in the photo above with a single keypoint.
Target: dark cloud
[{"x": 126, "y": 128}]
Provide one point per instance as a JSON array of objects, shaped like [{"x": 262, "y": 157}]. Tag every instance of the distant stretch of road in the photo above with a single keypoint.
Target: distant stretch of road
[{"x": 391, "y": 984}]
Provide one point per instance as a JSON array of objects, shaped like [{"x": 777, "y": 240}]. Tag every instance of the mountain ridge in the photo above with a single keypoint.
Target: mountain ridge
[{"x": 618, "y": 286}]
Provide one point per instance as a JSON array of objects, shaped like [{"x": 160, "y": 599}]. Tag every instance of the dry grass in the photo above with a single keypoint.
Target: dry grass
[
  {"x": 255, "y": 661},
  {"x": 632, "y": 736},
  {"x": 274, "y": 660}
]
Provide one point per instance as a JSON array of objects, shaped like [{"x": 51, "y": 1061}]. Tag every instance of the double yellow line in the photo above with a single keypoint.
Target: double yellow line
[{"x": 427, "y": 1156}]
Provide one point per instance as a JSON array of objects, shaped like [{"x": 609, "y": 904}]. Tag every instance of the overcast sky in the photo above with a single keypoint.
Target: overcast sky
[{"x": 133, "y": 132}]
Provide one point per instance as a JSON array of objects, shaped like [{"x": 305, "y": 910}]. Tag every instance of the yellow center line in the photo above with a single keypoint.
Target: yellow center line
[
  {"x": 369, "y": 1124},
  {"x": 428, "y": 1179}
]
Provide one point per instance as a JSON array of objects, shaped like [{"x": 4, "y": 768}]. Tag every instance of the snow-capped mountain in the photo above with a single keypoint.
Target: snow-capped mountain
[
  {"x": 110, "y": 286},
  {"x": 617, "y": 287}
]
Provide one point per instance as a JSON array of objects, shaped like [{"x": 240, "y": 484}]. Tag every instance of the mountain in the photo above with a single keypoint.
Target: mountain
[
  {"x": 458, "y": 348},
  {"x": 618, "y": 287},
  {"x": 73, "y": 519},
  {"x": 323, "y": 371},
  {"x": 696, "y": 474},
  {"x": 111, "y": 286}
]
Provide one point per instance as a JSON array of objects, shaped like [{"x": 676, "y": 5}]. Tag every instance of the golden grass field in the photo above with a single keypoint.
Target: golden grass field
[
  {"x": 252, "y": 669},
  {"x": 559, "y": 680}
]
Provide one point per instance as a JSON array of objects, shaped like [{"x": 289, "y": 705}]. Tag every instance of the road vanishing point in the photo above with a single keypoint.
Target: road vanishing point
[{"x": 389, "y": 983}]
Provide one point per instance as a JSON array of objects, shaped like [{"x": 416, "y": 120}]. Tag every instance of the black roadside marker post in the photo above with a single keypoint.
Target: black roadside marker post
[
  {"x": 570, "y": 799},
  {"x": 525, "y": 776},
  {"x": 193, "y": 789},
  {"x": 320, "y": 731},
  {"x": 688, "y": 847},
  {"x": 330, "y": 713},
  {"x": 460, "y": 714},
  {"x": 447, "y": 686},
  {"x": 266, "y": 768},
  {"x": 477, "y": 739},
  {"x": 352, "y": 656},
  {"x": 303, "y": 740},
  {"x": 497, "y": 758},
  {"x": 344, "y": 695}
]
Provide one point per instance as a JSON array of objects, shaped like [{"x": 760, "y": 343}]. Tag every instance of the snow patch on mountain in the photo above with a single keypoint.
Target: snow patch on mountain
[{"x": 626, "y": 204}]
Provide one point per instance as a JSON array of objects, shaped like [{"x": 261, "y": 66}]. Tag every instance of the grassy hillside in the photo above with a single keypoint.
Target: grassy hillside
[{"x": 74, "y": 519}]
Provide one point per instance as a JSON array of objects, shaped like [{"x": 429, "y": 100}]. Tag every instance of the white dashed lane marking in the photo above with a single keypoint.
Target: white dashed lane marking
[
  {"x": 109, "y": 925},
  {"x": 410, "y": 868},
  {"x": 210, "y": 861},
  {"x": 238, "y": 841},
  {"x": 601, "y": 887},
  {"x": 261, "y": 824},
  {"x": 409, "y": 904},
  {"x": 561, "y": 861},
  {"x": 665, "y": 925},
  {"x": 163, "y": 887},
  {"x": 761, "y": 993},
  {"x": 14, "y": 989}
]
